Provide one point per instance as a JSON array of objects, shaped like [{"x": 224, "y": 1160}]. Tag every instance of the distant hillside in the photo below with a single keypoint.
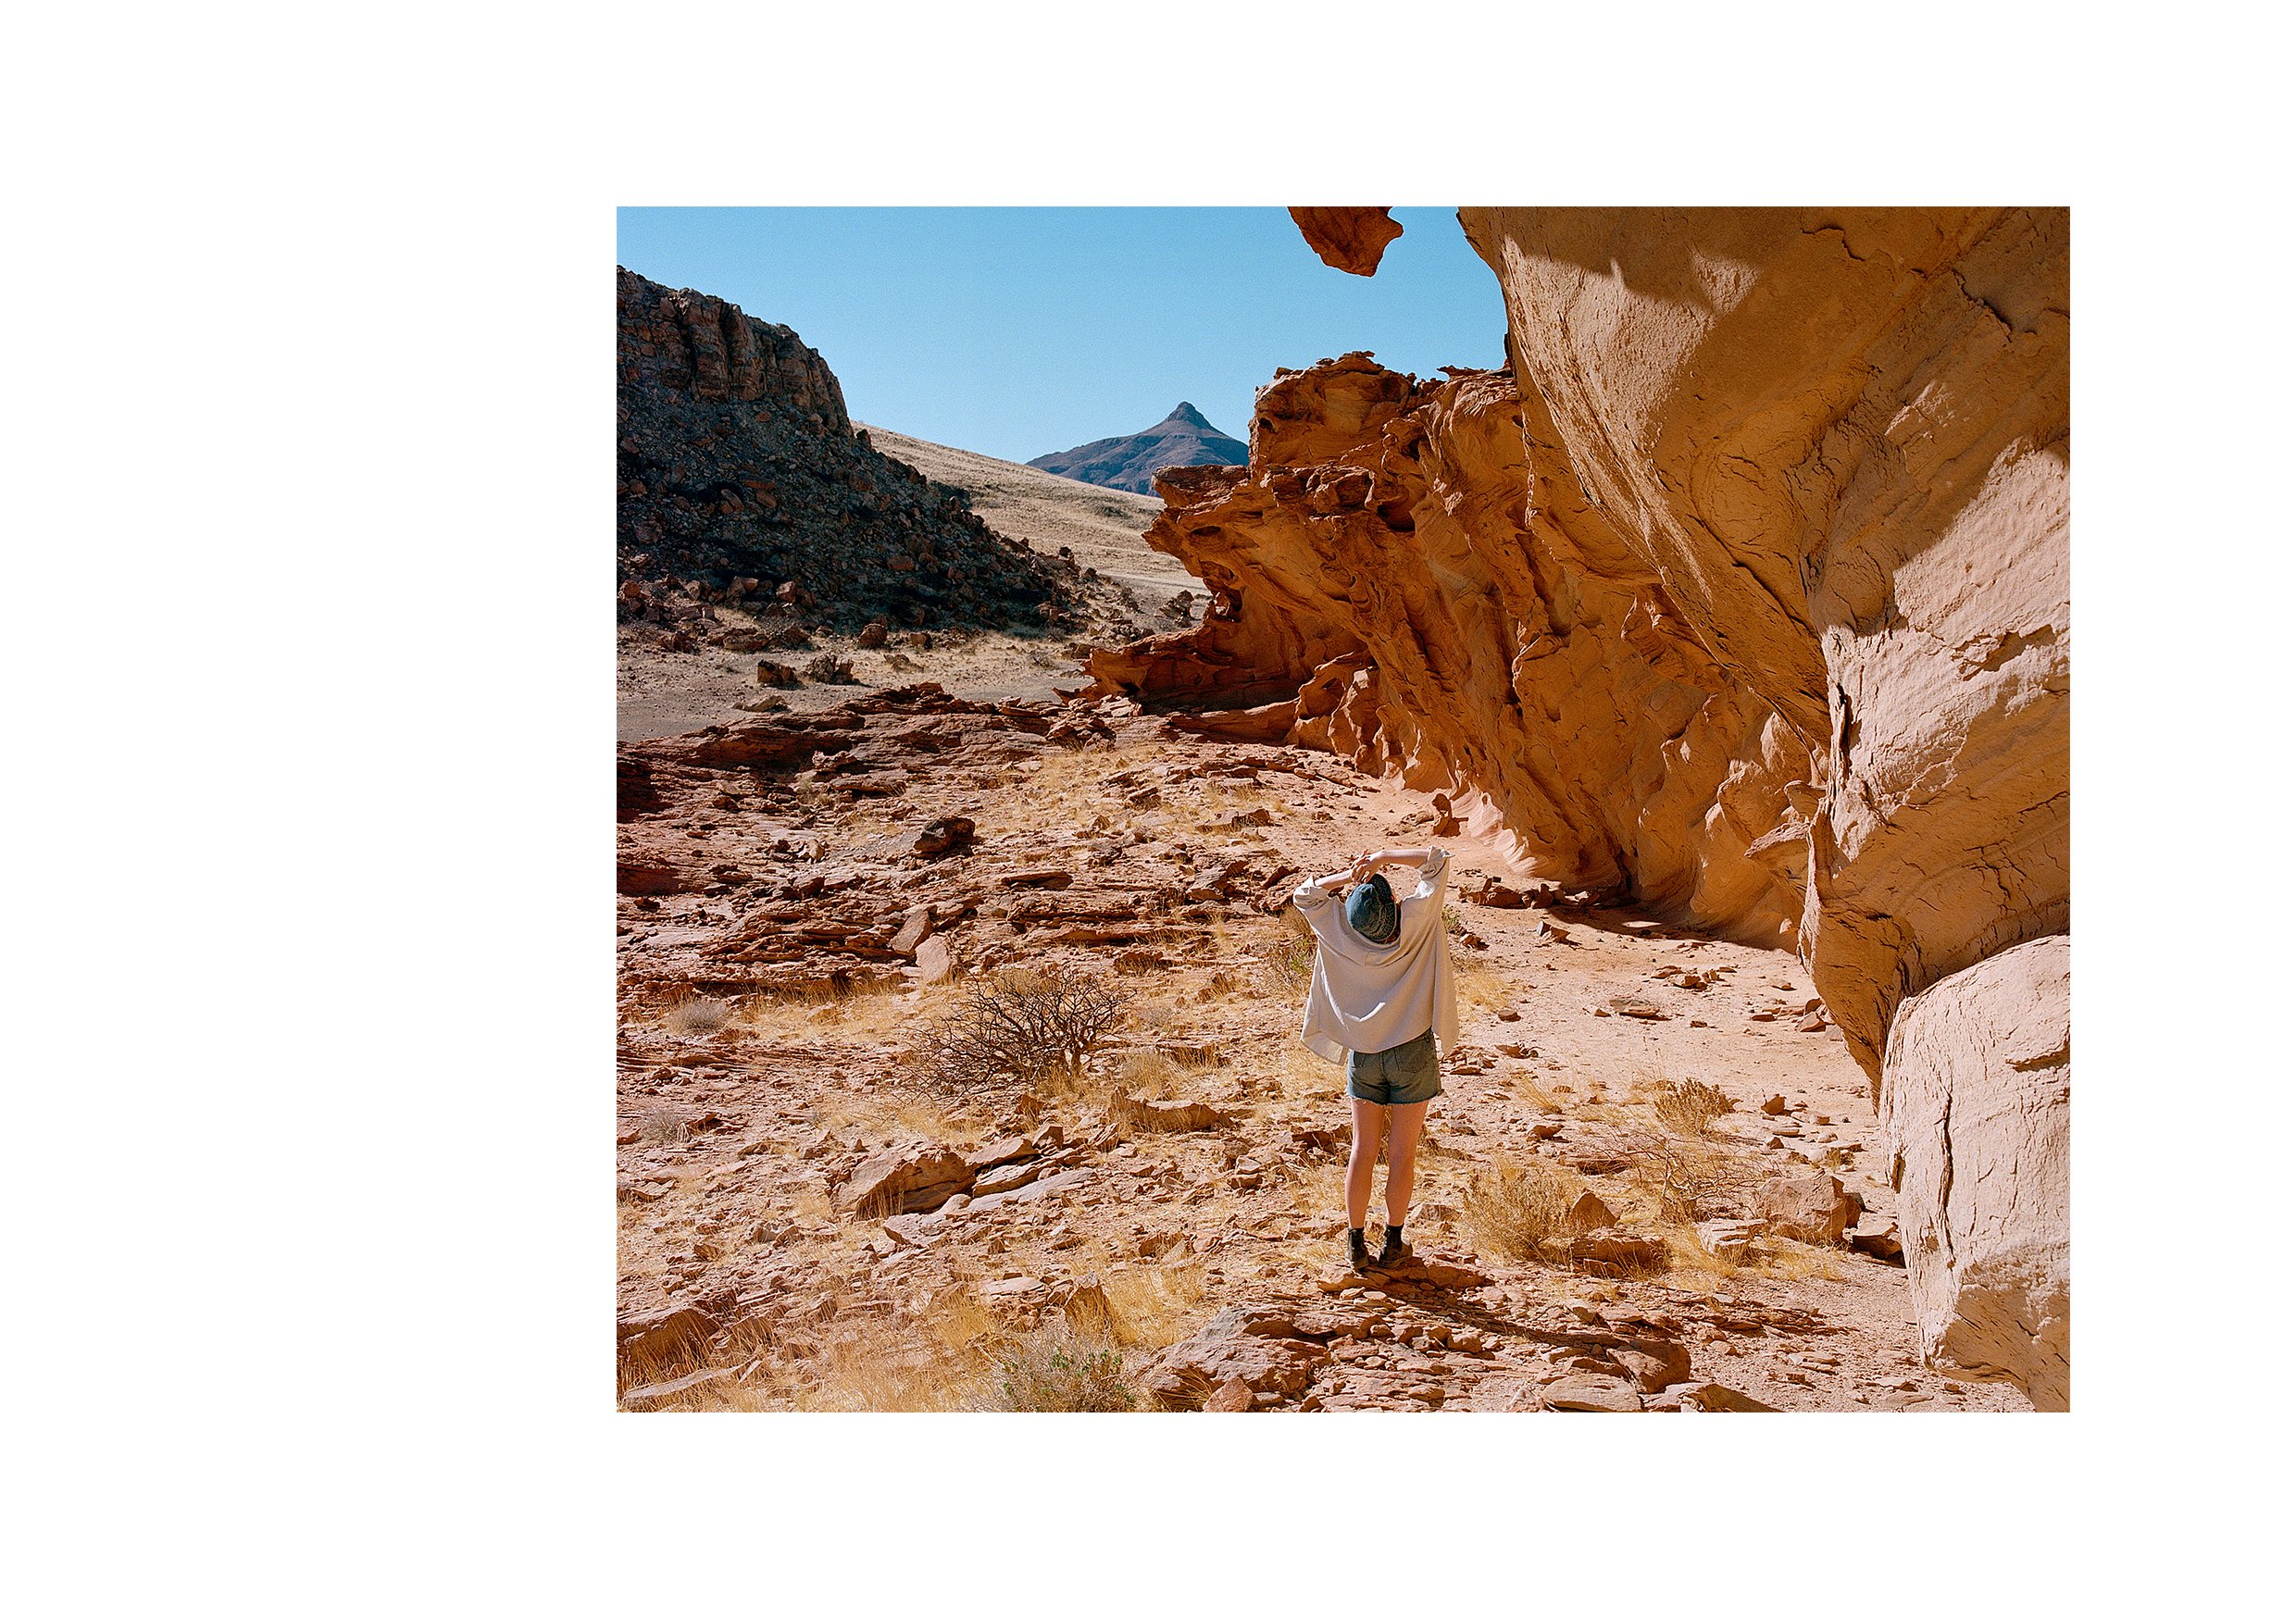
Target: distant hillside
[
  {"x": 739, "y": 471},
  {"x": 1101, "y": 527},
  {"x": 1181, "y": 439}
]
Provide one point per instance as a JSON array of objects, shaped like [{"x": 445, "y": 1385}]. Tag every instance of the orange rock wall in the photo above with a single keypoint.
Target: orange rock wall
[
  {"x": 1840, "y": 439},
  {"x": 1412, "y": 568}
]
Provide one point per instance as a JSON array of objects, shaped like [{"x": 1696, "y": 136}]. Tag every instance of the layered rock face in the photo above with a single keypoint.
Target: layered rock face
[
  {"x": 1842, "y": 440},
  {"x": 1750, "y": 595},
  {"x": 739, "y": 465},
  {"x": 1394, "y": 578},
  {"x": 1977, "y": 1091}
]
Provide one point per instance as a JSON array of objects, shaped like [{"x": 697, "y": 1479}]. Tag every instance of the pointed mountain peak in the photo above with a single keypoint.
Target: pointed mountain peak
[{"x": 1188, "y": 414}]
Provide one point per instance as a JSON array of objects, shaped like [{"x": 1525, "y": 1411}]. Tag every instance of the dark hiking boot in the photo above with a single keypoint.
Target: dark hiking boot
[
  {"x": 1358, "y": 1255},
  {"x": 1394, "y": 1250}
]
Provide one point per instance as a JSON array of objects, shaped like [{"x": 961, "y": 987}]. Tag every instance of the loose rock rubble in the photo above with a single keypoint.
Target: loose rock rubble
[{"x": 813, "y": 1216}]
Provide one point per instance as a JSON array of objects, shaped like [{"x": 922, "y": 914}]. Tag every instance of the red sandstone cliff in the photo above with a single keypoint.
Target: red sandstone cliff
[{"x": 1748, "y": 592}]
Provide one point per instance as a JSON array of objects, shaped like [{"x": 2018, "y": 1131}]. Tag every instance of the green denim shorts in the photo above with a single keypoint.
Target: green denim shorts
[{"x": 1401, "y": 1077}]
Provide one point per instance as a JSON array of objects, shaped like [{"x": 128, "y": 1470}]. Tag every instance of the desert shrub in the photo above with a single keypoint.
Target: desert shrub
[
  {"x": 1687, "y": 1177},
  {"x": 699, "y": 1015},
  {"x": 663, "y": 1126},
  {"x": 1029, "y": 1024},
  {"x": 1520, "y": 1210},
  {"x": 1058, "y": 1371},
  {"x": 1689, "y": 1108},
  {"x": 1287, "y": 965}
]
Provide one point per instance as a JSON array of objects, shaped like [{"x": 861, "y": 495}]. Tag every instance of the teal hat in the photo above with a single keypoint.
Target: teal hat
[{"x": 1371, "y": 911}]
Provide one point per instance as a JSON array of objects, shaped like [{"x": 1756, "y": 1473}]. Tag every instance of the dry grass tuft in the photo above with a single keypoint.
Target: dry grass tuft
[
  {"x": 1689, "y": 1108},
  {"x": 1153, "y": 1307},
  {"x": 1532, "y": 1091},
  {"x": 699, "y": 1015},
  {"x": 1057, "y": 1369},
  {"x": 663, "y": 1126},
  {"x": 1480, "y": 988},
  {"x": 1520, "y": 1209}
]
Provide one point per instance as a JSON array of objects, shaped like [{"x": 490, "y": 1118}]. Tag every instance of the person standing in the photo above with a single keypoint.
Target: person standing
[{"x": 1381, "y": 999}]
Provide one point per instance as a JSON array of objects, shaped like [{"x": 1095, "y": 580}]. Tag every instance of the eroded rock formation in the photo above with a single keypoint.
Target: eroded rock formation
[
  {"x": 1348, "y": 238},
  {"x": 1976, "y": 1093},
  {"x": 1747, "y": 591},
  {"x": 739, "y": 468},
  {"x": 1392, "y": 579}
]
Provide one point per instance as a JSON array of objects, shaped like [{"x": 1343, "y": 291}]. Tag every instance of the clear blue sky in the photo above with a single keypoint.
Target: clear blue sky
[{"x": 1018, "y": 331}]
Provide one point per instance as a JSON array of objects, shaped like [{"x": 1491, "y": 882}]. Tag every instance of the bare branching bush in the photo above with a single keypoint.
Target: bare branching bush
[
  {"x": 701, "y": 1015},
  {"x": 1057, "y": 1370},
  {"x": 1689, "y": 1108},
  {"x": 1689, "y": 1178},
  {"x": 1029, "y": 1026},
  {"x": 1520, "y": 1210}
]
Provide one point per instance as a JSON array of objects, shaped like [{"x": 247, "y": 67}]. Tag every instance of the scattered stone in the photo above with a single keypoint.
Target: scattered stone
[
  {"x": 1232, "y": 1397},
  {"x": 1809, "y": 1208},
  {"x": 1656, "y": 1363},
  {"x": 933, "y": 961},
  {"x": 1774, "y": 1106},
  {"x": 1880, "y": 1239},
  {"x": 1624, "y": 1248},
  {"x": 1171, "y": 1117},
  {"x": 1712, "y": 1396},
  {"x": 662, "y": 1331},
  {"x": 1590, "y": 1393},
  {"x": 1729, "y": 1239},
  {"x": 950, "y": 831},
  {"x": 906, "y": 1179},
  {"x": 1589, "y": 1213}
]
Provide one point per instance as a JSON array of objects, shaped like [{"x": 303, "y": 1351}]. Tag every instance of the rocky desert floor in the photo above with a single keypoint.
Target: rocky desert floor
[{"x": 1654, "y": 1181}]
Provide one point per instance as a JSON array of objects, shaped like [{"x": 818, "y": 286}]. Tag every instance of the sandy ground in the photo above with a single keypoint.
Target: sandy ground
[{"x": 1209, "y": 1247}]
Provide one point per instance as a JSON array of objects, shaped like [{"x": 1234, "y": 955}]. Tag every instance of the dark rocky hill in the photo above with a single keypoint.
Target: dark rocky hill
[
  {"x": 739, "y": 473},
  {"x": 1181, "y": 439}
]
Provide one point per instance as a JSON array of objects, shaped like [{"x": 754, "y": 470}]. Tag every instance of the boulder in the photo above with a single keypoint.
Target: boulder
[
  {"x": 941, "y": 836},
  {"x": 906, "y": 1179},
  {"x": 1729, "y": 1239},
  {"x": 1811, "y": 1208},
  {"x": 1231, "y": 1396},
  {"x": 1879, "y": 1238},
  {"x": 1589, "y": 1213},
  {"x": 1977, "y": 1099},
  {"x": 1712, "y": 1396},
  {"x": 1171, "y": 1117},
  {"x": 656, "y": 1332},
  {"x": 1590, "y": 1393},
  {"x": 1655, "y": 1363},
  {"x": 1348, "y": 238},
  {"x": 1624, "y": 1248}
]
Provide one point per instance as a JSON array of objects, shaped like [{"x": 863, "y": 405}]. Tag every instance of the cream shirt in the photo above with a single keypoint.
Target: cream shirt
[{"x": 1374, "y": 997}]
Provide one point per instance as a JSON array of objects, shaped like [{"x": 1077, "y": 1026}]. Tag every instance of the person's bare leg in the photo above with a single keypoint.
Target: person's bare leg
[
  {"x": 1363, "y": 1156},
  {"x": 1403, "y": 1124}
]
